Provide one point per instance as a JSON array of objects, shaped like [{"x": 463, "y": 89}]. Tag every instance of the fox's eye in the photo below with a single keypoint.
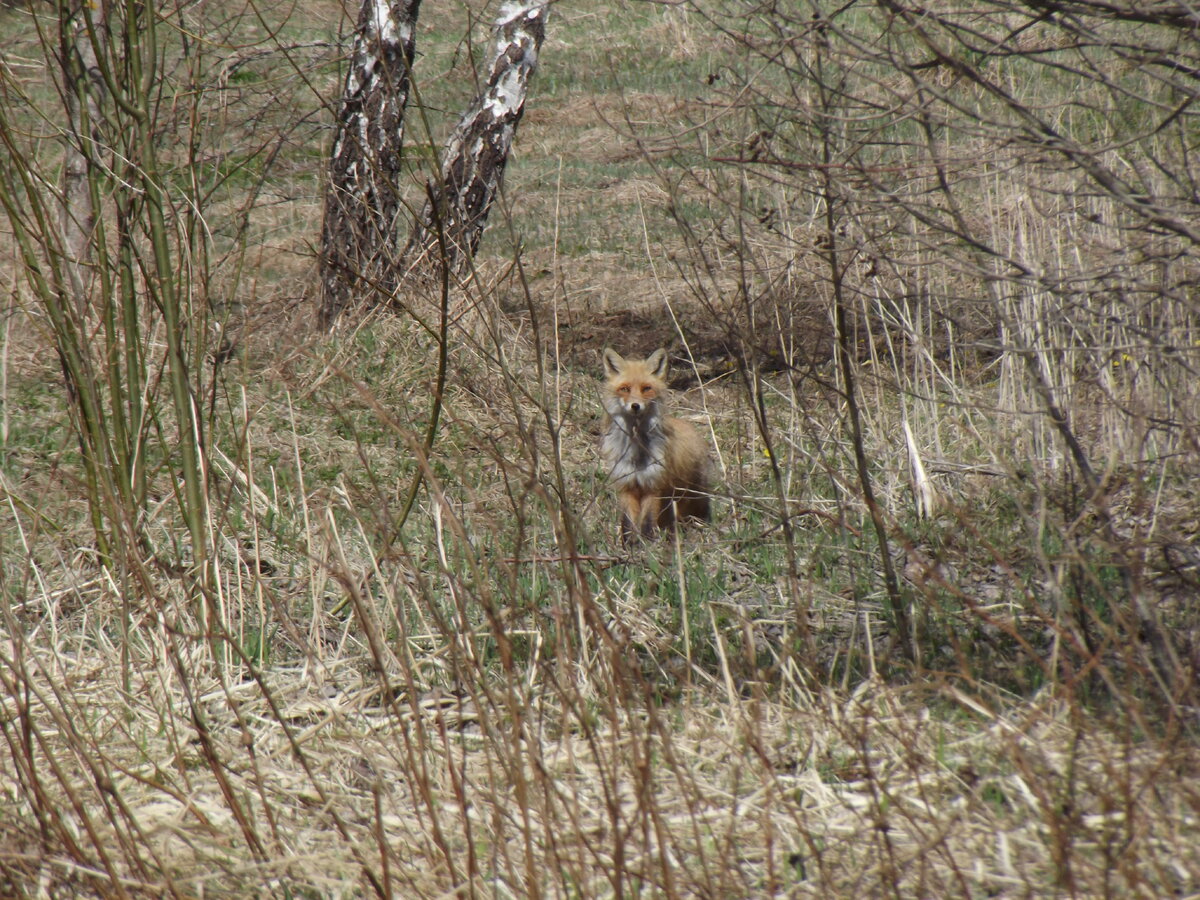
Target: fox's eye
[
  {"x": 623, "y": 389},
  {"x": 647, "y": 389}
]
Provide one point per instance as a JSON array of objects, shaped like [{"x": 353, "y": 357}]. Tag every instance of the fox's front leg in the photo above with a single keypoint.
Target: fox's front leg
[
  {"x": 651, "y": 510},
  {"x": 631, "y": 516}
]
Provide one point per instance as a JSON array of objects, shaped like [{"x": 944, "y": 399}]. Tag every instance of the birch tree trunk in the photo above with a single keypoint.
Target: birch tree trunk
[
  {"x": 455, "y": 213},
  {"x": 362, "y": 199}
]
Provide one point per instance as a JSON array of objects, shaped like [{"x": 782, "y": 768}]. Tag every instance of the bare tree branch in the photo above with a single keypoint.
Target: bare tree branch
[
  {"x": 1169, "y": 13},
  {"x": 83, "y": 89}
]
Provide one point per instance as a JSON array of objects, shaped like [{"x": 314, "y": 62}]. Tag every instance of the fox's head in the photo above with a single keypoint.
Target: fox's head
[{"x": 634, "y": 385}]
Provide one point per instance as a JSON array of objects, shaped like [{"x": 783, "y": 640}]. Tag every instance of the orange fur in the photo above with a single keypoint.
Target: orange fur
[{"x": 658, "y": 464}]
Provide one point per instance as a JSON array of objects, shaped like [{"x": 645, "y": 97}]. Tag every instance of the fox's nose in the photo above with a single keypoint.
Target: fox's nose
[{"x": 635, "y": 407}]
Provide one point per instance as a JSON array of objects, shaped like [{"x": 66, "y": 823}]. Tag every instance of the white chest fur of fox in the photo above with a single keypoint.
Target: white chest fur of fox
[{"x": 658, "y": 464}]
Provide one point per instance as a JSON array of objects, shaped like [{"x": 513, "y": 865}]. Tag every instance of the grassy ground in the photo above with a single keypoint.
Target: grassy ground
[{"x": 423, "y": 665}]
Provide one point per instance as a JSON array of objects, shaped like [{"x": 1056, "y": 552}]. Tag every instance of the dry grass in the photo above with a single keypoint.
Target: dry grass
[
  {"x": 323, "y": 779},
  {"x": 473, "y": 724}
]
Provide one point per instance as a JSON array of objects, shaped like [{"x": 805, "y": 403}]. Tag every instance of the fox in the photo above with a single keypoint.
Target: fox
[{"x": 657, "y": 464}]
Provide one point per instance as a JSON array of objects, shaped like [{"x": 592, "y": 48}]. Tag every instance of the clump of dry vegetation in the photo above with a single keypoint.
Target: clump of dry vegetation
[{"x": 297, "y": 613}]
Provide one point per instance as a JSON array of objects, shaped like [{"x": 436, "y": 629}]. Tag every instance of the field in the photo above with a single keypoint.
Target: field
[{"x": 296, "y": 612}]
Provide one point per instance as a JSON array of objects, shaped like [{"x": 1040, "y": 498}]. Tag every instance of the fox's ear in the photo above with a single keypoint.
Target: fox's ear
[
  {"x": 657, "y": 363},
  {"x": 612, "y": 362}
]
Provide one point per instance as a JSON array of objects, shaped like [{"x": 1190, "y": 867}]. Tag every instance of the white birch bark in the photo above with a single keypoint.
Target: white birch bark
[
  {"x": 476, "y": 153},
  {"x": 362, "y": 198}
]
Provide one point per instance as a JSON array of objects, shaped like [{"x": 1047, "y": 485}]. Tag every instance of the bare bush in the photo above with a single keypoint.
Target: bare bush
[{"x": 994, "y": 206}]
